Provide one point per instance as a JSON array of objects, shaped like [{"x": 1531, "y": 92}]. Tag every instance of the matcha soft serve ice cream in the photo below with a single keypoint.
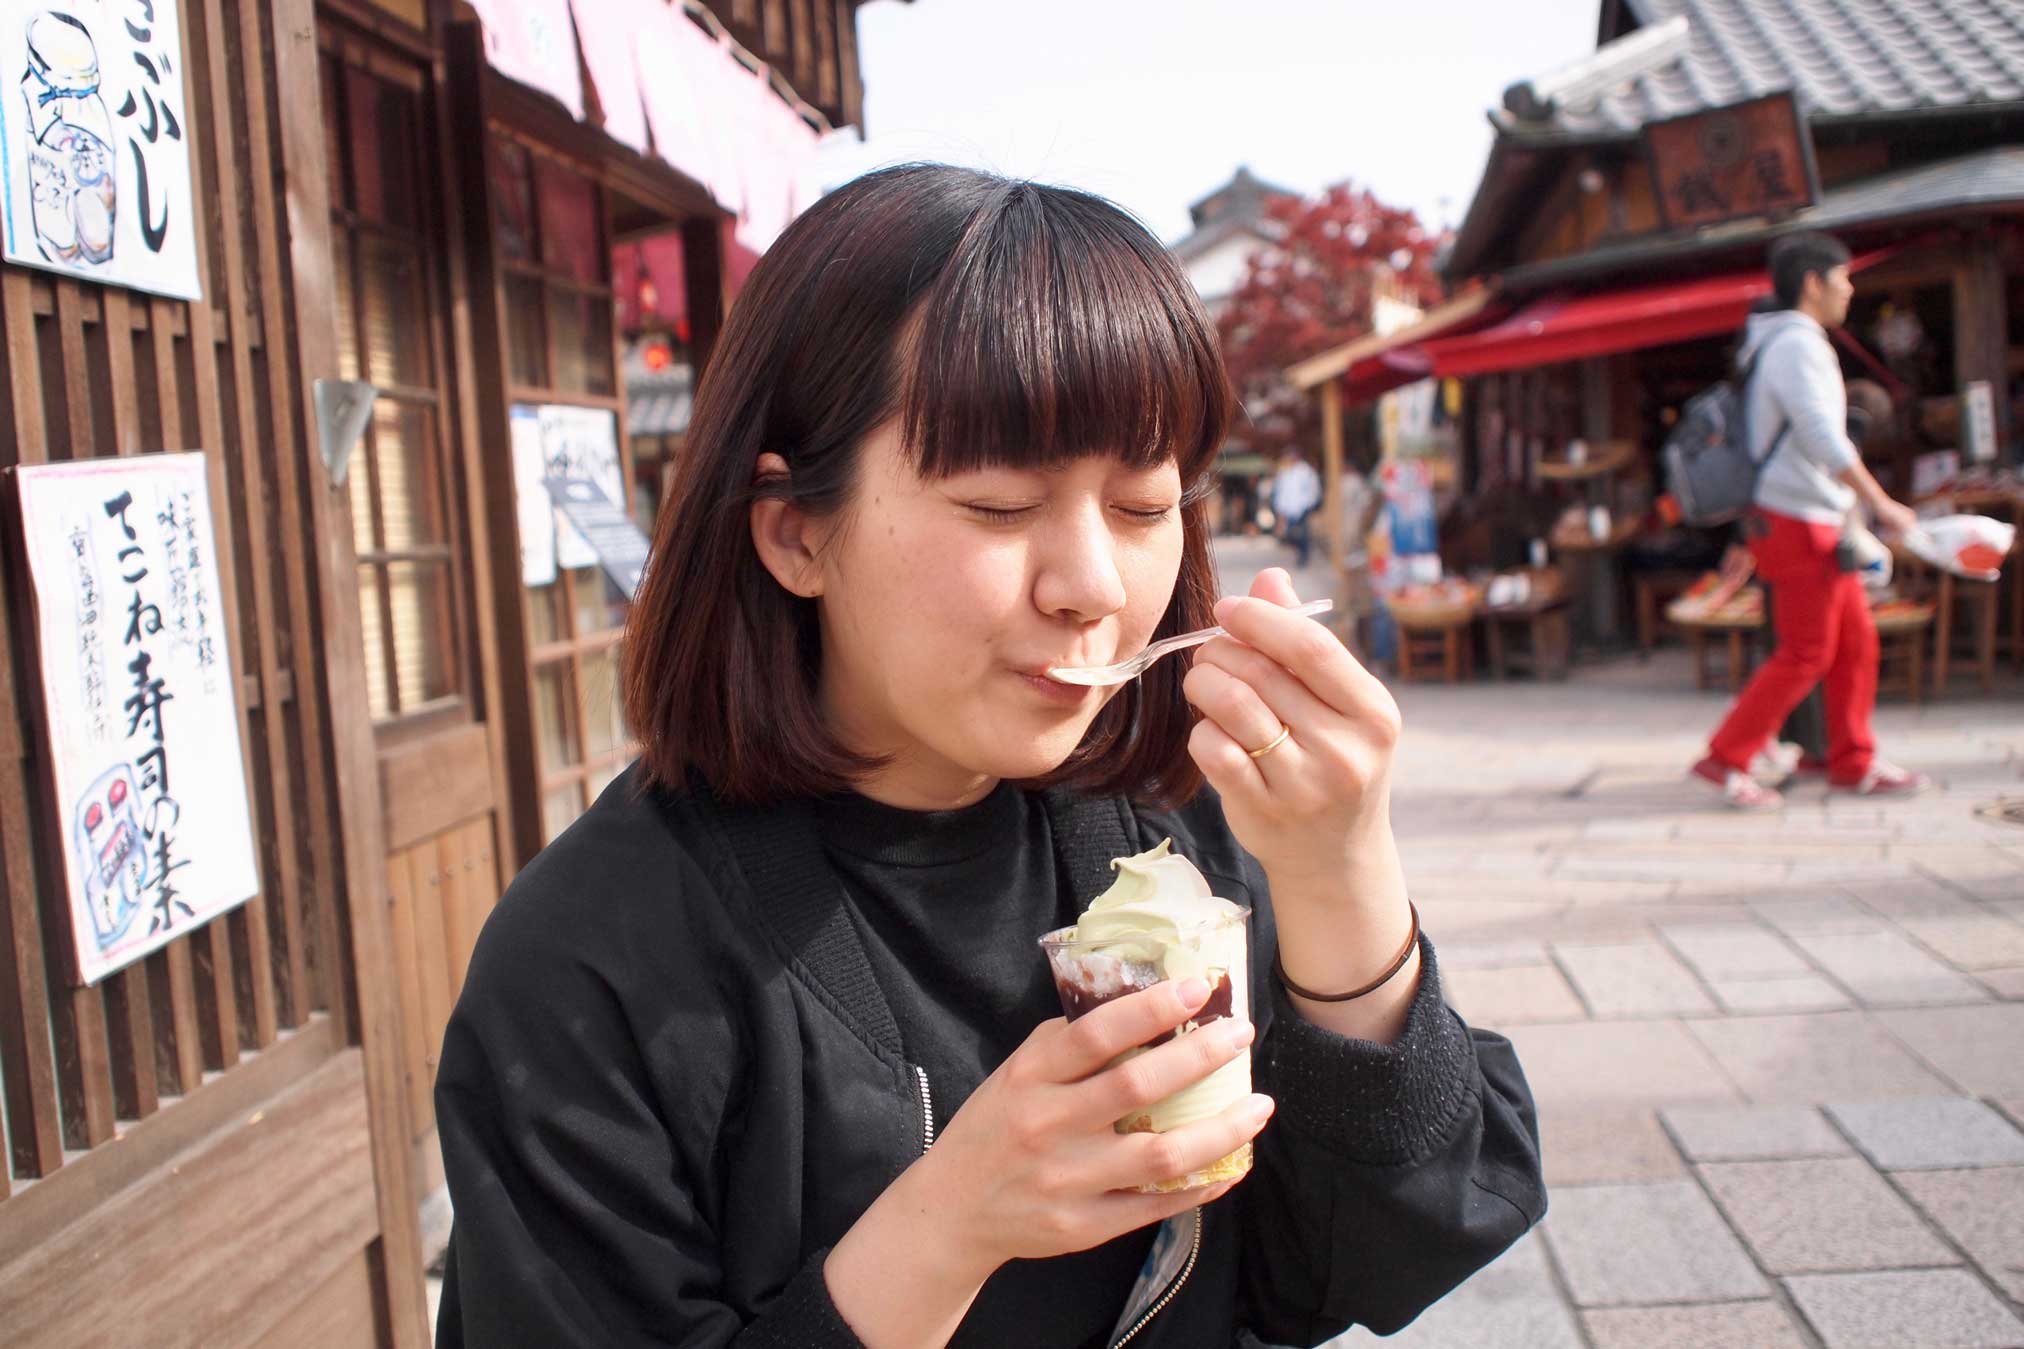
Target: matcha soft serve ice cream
[{"x": 1159, "y": 920}]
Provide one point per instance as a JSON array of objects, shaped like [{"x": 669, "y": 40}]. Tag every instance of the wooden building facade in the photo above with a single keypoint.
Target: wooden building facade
[{"x": 231, "y": 1141}]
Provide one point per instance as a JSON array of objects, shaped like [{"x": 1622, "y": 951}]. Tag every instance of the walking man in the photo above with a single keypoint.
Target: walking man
[
  {"x": 1811, "y": 479},
  {"x": 1296, "y": 491}
]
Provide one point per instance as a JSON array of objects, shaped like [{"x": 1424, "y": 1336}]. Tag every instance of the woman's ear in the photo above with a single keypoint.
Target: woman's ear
[{"x": 786, "y": 538}]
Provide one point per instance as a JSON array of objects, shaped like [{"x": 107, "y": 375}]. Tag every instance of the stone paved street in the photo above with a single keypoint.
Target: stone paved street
[{"x": 1779, "y": 1059}]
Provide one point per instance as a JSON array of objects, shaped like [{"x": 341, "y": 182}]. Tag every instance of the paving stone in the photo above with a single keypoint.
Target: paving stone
[
  {"x": 1790, "y": 993},
  {"x": 1492, "y": 955},
  {"x": 2006, "y": 984},
  {"x": 1977, "y": 941},
  {"x": 1621, "y": 1245},
  {"x": 1823, "y": 913},
  {"x": 1720, "y": 951},
  {"x": 1916, "y": 896},
  {"x": 1751, "y": 1133},
  {"x": 1931, "y": 1135},
  {"x": 1930, "y": 1308},
  {"x": 1722, "y": 1325},
  {"x": 1511, "y": 997},
  {"x": 1981, "y": 1048},
  {"x": 1632, "y": 979},
  {"x": 1884, "y": 969},
  {"x": 1820, "y": 1214},
  {"x": 1982, "y": 1210},
  {"x": 1593, "y": 1144},
  {"x": 1826, "y": 1056},
  {"x": 1636, "y": 1063},
  {"x": 1511, "y": 1303}
]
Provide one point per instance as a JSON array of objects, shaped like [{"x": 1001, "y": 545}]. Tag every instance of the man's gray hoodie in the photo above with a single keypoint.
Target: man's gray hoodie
[{"x": 1798, "y": 384}]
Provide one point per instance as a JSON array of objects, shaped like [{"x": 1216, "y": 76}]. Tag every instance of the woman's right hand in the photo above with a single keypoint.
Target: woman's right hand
[{"x": 1031, "y": 1167}]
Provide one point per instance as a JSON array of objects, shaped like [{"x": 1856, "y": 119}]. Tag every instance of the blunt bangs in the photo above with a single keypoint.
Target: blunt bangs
[{"x": 1059, "y": 329}]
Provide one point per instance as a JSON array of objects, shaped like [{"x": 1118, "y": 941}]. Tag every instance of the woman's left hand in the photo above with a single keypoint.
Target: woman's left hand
[{"x": 1310, "y": 808}]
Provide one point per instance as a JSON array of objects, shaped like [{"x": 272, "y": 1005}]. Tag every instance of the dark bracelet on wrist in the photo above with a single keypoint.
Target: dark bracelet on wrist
[{"x": 1398, "y": 963}]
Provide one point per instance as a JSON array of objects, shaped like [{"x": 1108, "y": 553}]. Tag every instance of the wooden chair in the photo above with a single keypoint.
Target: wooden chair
[
  {"x": 1979, "y": 600},
  {"x": 1740, "y": 637},
  {"x": 1901, "y": 652},
  {"x": 1548, "y": 637},
  {"x": 1438, "y": 647}
]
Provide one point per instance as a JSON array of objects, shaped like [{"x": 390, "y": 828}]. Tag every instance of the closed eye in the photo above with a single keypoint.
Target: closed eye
[{"x": 999, "y": 515}]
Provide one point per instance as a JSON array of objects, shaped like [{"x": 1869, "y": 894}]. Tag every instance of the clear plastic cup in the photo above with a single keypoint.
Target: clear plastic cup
[{"x": 1088, "y": 974}]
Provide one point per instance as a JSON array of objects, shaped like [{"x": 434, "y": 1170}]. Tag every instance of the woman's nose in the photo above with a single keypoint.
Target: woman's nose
[{"x": 1078, "y": 575}]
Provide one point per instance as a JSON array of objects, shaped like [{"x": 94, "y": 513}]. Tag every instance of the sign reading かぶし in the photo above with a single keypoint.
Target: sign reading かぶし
[
  {"x": 95, "y": 143},
  {"x": 143, "y": 721}
]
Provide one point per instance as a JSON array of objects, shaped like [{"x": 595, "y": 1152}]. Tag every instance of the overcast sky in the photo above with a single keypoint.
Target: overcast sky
[{"x": 1154, "y": 103}]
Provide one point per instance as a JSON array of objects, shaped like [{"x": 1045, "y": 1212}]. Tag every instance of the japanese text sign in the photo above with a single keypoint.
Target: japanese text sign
[
  {"x": 141, "y": 703},
  {"x": 1748, "y": 159}
]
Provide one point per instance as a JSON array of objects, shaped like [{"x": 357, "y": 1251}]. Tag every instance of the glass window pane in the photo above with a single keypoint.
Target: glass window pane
[
  {"x": 554, "y": 718},
  {"x": 569, "y": 233},
  {"x": 559, "y": 810},
  {"x": 396, "y": 327},
  {"x": 599, "y": 606},
  {"x": 364, "y": 539},
  {"x": 600, "y": 778},
  {"x": 399, "y": 135},
  {"x": 583, "y": 349},
  {"x": 544, "y": 618},
  {"x": 411, "y": 497},
  {"x": 347, "y": 315},
  {"x": 512, "y": 199},
  {"x": 377, "y": 695},
  {"x": 526, "y": 346},
  {"x": 362, "y": 103},
  {"x": 419, "y": 595},
  {"x": 603, "y": 720}
]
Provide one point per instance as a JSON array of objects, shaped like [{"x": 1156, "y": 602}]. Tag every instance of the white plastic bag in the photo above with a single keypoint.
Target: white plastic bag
[{"x": 1971, "y": 546}]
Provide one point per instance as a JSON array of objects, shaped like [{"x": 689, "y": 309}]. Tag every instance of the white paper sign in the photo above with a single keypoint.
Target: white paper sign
[
  {"x": 530, "y": 494},
  {"x": 141, "y": 700},
  {"x": 95, "y": 143},
  {"x": 580, "y": 443}
]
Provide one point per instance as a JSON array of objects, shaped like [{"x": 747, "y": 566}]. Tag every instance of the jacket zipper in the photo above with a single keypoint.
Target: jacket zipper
[
  {"x": 1173, "y": 1289},
  {"x": 927, "y": 1111}
]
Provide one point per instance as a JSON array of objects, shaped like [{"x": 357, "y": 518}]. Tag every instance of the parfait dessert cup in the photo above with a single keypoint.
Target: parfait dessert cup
[{"x": 1161, "y": 922}]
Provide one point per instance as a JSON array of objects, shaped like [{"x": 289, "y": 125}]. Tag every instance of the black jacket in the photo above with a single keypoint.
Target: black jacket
[{"x": 671, "y": 1084}]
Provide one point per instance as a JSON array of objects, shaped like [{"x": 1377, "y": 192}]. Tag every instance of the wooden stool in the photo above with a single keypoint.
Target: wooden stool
[
  {"x": 1652, "y": 589},
  {"x": 1548, "y": 637},
  {"x": 1901, "y": 652},
  {"x": 1741, "y": 635},
  {"x": 1980, "y": 599},
  {"x": 1434, "y": 645}
]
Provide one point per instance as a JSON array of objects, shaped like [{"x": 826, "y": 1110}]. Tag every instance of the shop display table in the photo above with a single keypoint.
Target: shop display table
[
  {"x": 1650, "y": 590},
  {"x": 1738, "y": 622}
]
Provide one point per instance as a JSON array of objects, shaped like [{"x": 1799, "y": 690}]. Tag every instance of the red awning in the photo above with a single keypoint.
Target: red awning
[{"x": 1562, "y": 327}]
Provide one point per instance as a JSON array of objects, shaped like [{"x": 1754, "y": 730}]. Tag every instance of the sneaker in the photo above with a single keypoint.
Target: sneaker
[
  {"x": 1739, "y": 791},
  {"x": 1886, "y": 779},
  {"x": 1776, "y": 761}
]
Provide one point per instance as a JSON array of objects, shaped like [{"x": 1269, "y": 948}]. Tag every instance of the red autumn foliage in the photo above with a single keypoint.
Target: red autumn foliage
[{"x": 1311, "y": 291}]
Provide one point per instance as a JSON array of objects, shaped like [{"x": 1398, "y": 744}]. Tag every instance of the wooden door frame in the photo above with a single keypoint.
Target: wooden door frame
[{"x": 341, "y": 659}]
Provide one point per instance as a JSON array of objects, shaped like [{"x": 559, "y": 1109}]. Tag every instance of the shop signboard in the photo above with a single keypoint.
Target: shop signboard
[
  {"x": 1749, "y": 159},
  {"x": 95, "y": 143},
  {"x": 140, "y": 703}
]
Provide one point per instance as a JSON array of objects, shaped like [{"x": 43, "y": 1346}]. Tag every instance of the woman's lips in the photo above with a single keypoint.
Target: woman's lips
[{"x": 1060, "y": 694}]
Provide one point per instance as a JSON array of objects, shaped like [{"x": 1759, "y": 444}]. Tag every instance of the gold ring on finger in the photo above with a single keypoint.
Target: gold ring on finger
[{"x": 1277, "y": 741}]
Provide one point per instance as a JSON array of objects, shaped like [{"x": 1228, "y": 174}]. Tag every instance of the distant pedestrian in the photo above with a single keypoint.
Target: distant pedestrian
[
  {"x": 1811, "y": 479},
  {"x": 1296, "y": 491}
]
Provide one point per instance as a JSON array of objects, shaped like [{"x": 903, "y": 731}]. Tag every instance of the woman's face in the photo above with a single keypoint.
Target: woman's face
[{"x": 943, "y": 602}]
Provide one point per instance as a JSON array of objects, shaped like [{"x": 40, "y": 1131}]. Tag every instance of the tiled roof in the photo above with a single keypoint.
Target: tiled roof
[{"x": 1845, "y": 58}]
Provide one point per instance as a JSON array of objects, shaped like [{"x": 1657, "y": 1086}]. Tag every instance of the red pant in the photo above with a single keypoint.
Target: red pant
[{"x": 1825, "y": 636}]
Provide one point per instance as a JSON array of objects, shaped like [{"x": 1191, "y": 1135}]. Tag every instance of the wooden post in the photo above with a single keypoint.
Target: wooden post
[
  {"x": 1331, "y": 471},
  {"x": 1981, "y": 326}
]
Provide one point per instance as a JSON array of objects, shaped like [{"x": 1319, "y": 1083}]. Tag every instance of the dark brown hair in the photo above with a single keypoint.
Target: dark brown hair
[{"x": 1003, "y": 323}]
